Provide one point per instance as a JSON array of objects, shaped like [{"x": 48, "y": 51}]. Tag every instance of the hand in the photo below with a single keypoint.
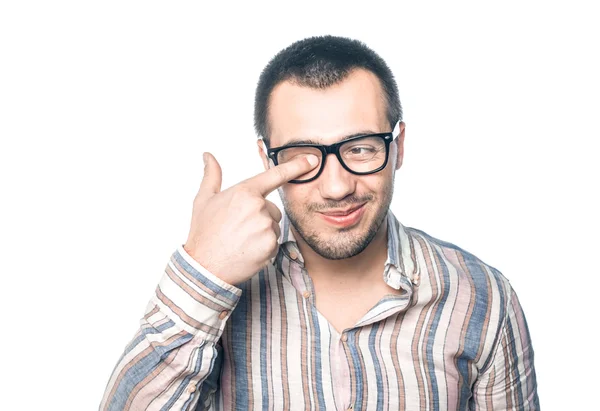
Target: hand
[{"x": 234, "y": 233}]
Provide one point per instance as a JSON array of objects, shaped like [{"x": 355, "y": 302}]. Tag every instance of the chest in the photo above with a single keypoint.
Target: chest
[
  {"x": 344, "y": 305},
  {"x": 344, "y": 310},
  {"x": 289, "y": 356}
]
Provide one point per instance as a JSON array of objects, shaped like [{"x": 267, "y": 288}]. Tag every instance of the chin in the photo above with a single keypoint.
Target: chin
[{"x": 335, "y": 243}]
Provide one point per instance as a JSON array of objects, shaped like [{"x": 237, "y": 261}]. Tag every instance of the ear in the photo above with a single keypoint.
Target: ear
[
  {"x": 261, "y": 153},
  {"x": 400, "y": 146}
]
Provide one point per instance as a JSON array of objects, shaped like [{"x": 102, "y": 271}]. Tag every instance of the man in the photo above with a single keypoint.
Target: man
[{"x": 336, "y": 305}]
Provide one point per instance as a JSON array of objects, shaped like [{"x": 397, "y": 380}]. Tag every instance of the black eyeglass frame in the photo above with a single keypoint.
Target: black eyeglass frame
[{"x": 388, "y": 138}]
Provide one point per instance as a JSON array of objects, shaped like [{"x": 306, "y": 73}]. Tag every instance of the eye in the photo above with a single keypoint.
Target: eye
[
  {"x": 362, "y": 150},
  {"x": 359, "y": 152}
]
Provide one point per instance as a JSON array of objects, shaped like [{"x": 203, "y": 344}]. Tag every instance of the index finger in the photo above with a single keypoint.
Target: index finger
[{"x": 277, "y": 176}]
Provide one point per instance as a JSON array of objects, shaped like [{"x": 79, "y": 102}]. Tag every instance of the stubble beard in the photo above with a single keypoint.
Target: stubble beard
[{"x": 344, "y": 243}]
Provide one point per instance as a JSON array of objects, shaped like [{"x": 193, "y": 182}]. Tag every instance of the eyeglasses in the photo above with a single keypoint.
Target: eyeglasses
[{"x": 361, "y": 155}]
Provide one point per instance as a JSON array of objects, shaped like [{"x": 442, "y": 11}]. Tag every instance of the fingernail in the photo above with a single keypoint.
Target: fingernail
[{"x": 312, "y": 160}]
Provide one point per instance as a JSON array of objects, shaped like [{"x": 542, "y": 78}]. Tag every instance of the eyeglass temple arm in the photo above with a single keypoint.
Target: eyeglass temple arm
[
  {"x": 396, "y": 130},
  {"x": 264, "y": 147},
  {"x": 266, "y": 151}
]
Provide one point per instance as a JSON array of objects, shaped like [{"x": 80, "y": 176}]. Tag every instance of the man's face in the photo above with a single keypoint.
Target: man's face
[{"x": 356, "y": 105}]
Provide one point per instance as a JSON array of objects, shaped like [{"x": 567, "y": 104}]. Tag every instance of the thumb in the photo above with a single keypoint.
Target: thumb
[{"x": 211, "y": 182}]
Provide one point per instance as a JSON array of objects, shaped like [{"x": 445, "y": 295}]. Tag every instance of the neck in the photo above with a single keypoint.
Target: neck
[{"x": 360, "y": 268}]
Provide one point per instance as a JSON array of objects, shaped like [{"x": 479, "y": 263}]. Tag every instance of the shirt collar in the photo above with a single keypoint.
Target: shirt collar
[{"x": 400, "y": 269}]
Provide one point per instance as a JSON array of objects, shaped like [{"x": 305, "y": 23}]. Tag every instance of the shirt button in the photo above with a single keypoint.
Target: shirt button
[
  {"x": 306, "y": 294},
  {"x": 192, "y": 388},
  {"x": 223, "y": 314},
  {"x": 344, "y": 339},
  {"x": 293, "y": 255}
]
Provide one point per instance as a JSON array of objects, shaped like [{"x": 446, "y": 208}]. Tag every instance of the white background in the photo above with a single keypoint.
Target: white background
[{"x": 106, "y": 108}]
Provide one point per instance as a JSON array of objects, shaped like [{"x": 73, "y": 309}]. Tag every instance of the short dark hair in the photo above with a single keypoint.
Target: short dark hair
[{"x": 320, "y": 62}]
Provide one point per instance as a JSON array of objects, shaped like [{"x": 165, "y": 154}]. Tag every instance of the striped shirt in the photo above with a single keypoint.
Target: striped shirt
[{"x": 455, "y": 339}]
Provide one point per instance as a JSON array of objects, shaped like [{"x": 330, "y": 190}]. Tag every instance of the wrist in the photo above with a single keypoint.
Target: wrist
[
  {"x": 208, "y": 266},
  {"x": 208, "y": 270}
]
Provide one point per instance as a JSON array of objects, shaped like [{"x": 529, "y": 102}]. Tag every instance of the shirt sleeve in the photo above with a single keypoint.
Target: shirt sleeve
[
  {"x": 177, "y": 345},
  {"x": 509, "y": 383}
]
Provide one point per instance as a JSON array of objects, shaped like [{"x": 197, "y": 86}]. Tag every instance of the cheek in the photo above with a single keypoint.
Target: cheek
[
  {"x": 376, "y": 184},
  {"x": 296, "y": 195}
]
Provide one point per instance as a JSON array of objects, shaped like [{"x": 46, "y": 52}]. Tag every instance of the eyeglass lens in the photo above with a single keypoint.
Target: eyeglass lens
[{"x": 361, "y": 155}]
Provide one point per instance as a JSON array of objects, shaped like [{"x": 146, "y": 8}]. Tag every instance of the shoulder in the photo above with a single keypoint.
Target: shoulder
[
  {"x": 439, "y": 255},
  {"x": 471, "y": 293},
  {"x": 449, "y": 271}
]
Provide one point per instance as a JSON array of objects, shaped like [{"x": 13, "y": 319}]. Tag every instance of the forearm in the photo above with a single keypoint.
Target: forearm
[{"x": 175, "y": 349}]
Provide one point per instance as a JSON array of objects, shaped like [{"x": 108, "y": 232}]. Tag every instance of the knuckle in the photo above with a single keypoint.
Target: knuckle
[
  {"x": 267, "y": 231},
  {"x": 254, "y": 203},
  {"x": 281, "y": 173},
  {"x": 276, "y": 213},
  {"x": 239, "y": 191},
  {"x": 242, "y": 195},
  {"x": 269, "y": 248},
  {"x": 266, "y": 225},
  {"x": 272, "y": 241},
  {"x": 245, "y": 192}
]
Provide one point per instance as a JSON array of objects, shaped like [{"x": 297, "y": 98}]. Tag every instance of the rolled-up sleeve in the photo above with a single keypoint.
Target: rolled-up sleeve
[
  {"x": 509, "y": 383},
  {"x": 175, "y": 349}
]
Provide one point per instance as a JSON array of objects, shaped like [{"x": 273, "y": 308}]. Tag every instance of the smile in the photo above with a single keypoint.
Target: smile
[{"x": 344, "y": 218}]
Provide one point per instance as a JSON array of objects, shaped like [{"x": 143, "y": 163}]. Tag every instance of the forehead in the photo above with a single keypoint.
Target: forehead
[{"x": 355, "y": 105}]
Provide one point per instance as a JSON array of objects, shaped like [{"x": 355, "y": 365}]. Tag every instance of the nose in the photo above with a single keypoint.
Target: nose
[{"x": 335, "y": 182}]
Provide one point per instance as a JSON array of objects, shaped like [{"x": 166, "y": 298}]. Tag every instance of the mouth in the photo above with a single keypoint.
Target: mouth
[{"x": 344, "y": 218}]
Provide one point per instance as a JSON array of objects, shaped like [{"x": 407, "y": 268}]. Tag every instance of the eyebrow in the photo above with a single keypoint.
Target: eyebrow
[{"x": 313, "y": 141}]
